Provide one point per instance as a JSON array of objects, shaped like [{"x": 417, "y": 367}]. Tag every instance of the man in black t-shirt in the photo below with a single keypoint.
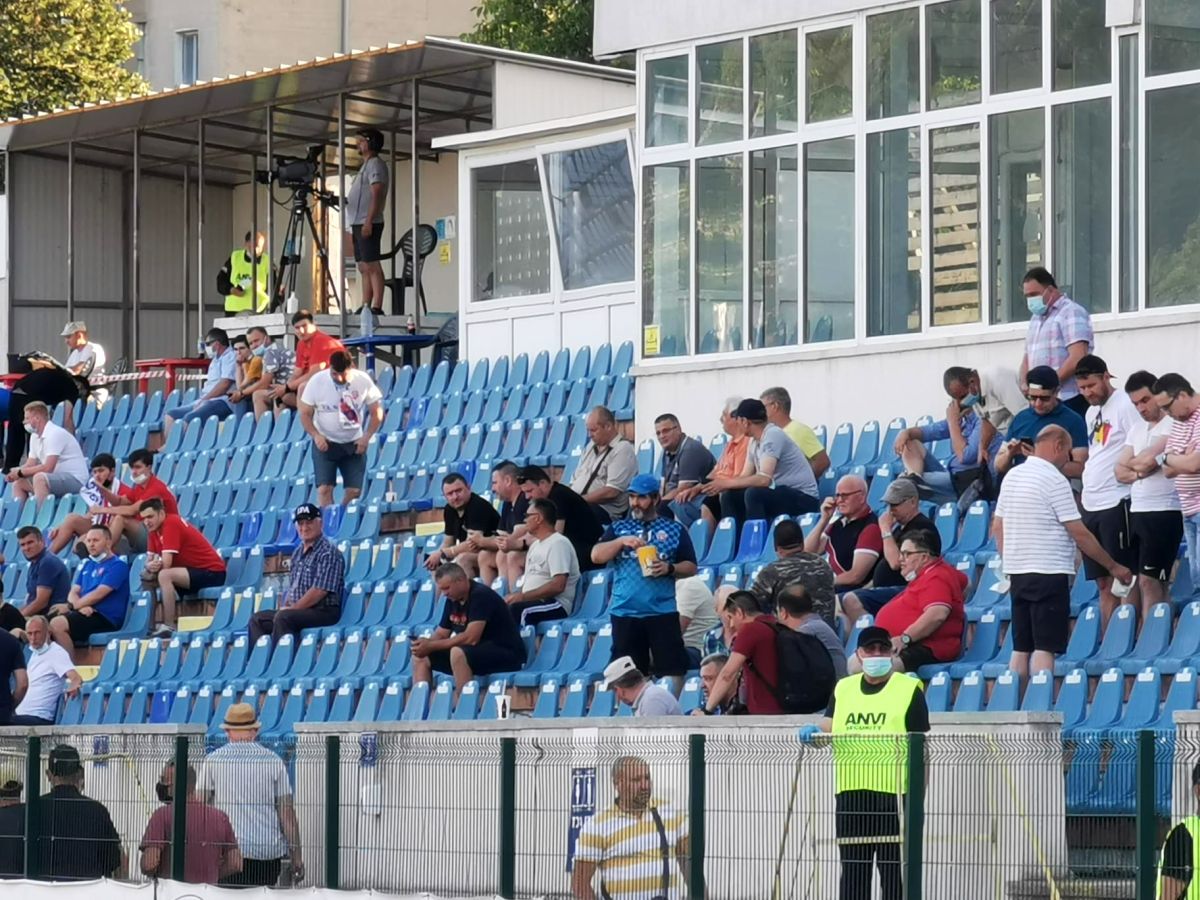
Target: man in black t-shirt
[
  {"x": 467, "y": 517},
  {"x": 12, "y": 667},
  {"x": 576, "y": 518},
  {"x": 1176, "y": 866},
  {"x": 503, "y": 556}
]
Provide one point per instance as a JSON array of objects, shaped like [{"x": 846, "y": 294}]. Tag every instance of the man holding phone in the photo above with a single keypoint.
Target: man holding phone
[{"x": 1044, "y": 409}]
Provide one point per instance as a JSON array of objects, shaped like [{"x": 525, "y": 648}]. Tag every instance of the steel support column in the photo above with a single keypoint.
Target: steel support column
[
  {"x": 340, "y": 249},
  {"x": 415, "y": 187},
  {"x": 135, "y": 285},
  {"x": 71, "y": 231},
  {"x": 200, "y": 233}
]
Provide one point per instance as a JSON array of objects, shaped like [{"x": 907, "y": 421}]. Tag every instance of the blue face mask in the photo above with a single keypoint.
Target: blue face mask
[
  {"x": 259, "y": 351},
  {"x": 970, "y": 400},
  {"x": 877, "y": 666},
  {"x": 1036, "y": 304},
  {"x": 38, "y": 651}
]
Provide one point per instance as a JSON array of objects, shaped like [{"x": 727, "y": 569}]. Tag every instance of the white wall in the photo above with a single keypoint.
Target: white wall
[{"x": 529, "y": 94}]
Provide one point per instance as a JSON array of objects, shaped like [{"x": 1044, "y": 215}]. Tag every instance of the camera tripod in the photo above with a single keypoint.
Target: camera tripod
[{"x": 289, "y": 260}]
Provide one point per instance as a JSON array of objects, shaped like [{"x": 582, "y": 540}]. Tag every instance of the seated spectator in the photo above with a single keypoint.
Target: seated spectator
[
  {"x": 313, "y": 350},
  {"x": 42, "y": 381},
  {"x": 1044, "y": 409},
  {"x": 477, "y": 634},
  {"x": 465, "y": 516},
  {"x": 686, "y": 463},
  {"x": 633, "y": 689},
  {"x": 996, "y": 394},
  {"x": 776, "y": 479},
  {"x": 795, "y": 565},
  {"x": 778, "y": 403},
  {"x": 575, "y": 518},
  {"x": 55, "y": 465},
  {"x": 551, "y": 570},
  {"x": 710, "y": 669},
  {"x": 794, "y": 608},
  {"x": 13, "y": 680},
  {"x": 903, "y": 515},
  {"x": 316, "y": 583},
  {"x": 182, "y": 559},
  {"x": 212, "y": 848},
  {"x": 219, "y": 383},
  {"x": 973, "y": 439},
  {"x": 120, "y": 509},
  {"x": 340, "y": 408},
  {"x": 608, "y": 464},
  {"x": 697, "y": 615},
  {"x": 926, "y": 619},
  {"x": 104, "y": 469},
  {"x": 47, "y": 582},
  {"x": 99, "y": 597},
  {"x": 271, "y": 390},
  {"x": 249, "y": 372},
  {"x": 730, "y": 465},
  {"x": 503, "y": 555},
  {"x": 49, "y": 666},
  {"x": 85, "y": 358},
  {"x": 753, "y": 650},
  {"x": 851, "y": 539}
]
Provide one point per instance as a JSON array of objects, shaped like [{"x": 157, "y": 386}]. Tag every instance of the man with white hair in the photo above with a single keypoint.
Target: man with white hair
[
  {"x": 848, "y": 532},
  {"x": 732, "y": 461},
  {"x": 48, "y": 668}
]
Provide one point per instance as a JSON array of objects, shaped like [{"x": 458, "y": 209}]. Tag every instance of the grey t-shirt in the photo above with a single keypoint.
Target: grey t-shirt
[
  {"x": 373, "y": 171},
  {"x": 247, "y": 782},
  {"x": 792, "y": 468},
  {"x": 837, "y": 652},
  {"x": 614, "y": 468},
  {"x": 690, "y": 463},
  {"x": 656, "y": 701}
]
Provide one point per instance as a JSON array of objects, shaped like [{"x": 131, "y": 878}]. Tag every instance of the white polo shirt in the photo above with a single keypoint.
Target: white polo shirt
[
  {"x": 1036, "y": 503},
  {"x": 46, "y": 672}
]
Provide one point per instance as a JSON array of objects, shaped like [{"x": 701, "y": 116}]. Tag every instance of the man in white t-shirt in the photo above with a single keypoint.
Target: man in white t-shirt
[
  {"x": 340, "y": 408},
  {"x": 1110, "y": 418},
  {"x": 697, "y": 615},
  {"x": 551, "y": 570},
  {"x": 1155, "y": 517},
  {"x": 49, "y": 664},
  {"x": 55, "y": 465},
  {"x": 86, "y": 358}
]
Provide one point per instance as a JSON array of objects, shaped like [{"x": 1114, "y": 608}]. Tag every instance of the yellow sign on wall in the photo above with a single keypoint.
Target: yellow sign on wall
[
  {"x": 444, "y": 254},
  {"x": 650, "y": 335}
]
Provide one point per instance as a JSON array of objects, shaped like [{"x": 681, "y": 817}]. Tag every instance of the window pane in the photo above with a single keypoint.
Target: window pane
[
  {"x": 954, "y": 36},
  {"x": 829, "y": 248},
  {"x": 666, "y": 101},
  {"x": 1172, "y": 36},
  {"x": 1017, "y": 200},
  {"x": 894, "y": 232},
  {"x": 1130, "y": 111},
  {"x": 1082, "y": 50},
  {"x": 1083, "y": 203},
  {"x": 719, "y": 117},
  {"x": 830, "y": 66},
  {"x": 719, "y": 253},
  {"x": 957, "y": 286},
  {"x": 591, "y": 202},
  {"x": 511, "y": 245},
  {"x": 1016, "y": 45},
  {"x": 774, "y": 247},
  {"x": 666, "y": 213},
  {"x": 773, "y": 83},
  {"x": 893, "y": 64},
  {"x": 1173, "y": 193}
]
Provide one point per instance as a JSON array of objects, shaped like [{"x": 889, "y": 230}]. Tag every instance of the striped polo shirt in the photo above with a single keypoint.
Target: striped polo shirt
[
  {"x": 1184, "y": 436},
  {"x": 627, "y": 850},
  {"x": 1036, "y": 503}
]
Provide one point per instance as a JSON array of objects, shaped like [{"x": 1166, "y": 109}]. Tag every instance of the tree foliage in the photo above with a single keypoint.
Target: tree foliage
[
  {"x": 559, "y": 28},
  {"x": 56, "y": 53}
]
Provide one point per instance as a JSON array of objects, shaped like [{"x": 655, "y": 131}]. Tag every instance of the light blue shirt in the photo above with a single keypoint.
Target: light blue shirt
[
  {"x": 221, "y": 367},
  {"x": 247, "y": 781}
]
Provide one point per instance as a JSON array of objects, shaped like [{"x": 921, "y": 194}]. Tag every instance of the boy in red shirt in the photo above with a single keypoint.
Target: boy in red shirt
[
  {"x": 185, "y": 559},
  {"x": 121, "y": 509}
]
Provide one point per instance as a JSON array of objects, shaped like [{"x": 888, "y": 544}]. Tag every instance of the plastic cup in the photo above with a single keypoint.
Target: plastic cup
[{"x": 647, "y": 557}]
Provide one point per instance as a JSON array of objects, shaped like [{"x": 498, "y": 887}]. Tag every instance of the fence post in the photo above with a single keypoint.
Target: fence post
[
  {"x": 179, "y": 793},
  {"x": 508, "y": 818},
  {"x": 333, "y": 810},
  {"x": 696, "y": 804},
  {"x": 1147, "y": 822},
  {"x": 914, "y": 817},
  {"x": 33, "y": 790}
]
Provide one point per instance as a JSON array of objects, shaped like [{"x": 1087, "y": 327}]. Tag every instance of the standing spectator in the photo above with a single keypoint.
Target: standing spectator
[
  {"x": 47, "y": 582},
  {"x": 12, "y": 827},
  {"x": 551, "y": 570},
  {"x": 250, "y": 784},
  {"x": 103, "y": 480},
  {"x": 316, "y": 583},
  {"x": 48, "y": 666},
  {"x": 697, "y": 615},
  {"x": 794, "y": 610},
  {"x": 271, "y": 391},
  {"x": 48, "y": 384},
  {"x": 710, "y": 670},
  {"x": 77, "y": 841},
  {"x": 1037, "y": 528},
  {"x": 1110, "y": 418},
  {"x": 313, "y": 349},
  {"x": 633, "y": 689},
  {"x": 183, "y": 560},
  {"x": 219, "y": 383},
  {"x": 212, "y": 850},
  {"x": 1155, "y": 522},
  {"x": 646, "y": 554},
  {"x": 14, "y": 681},
  {"x": 850, "y": 539},
  {"x": 730, "y": 465},
  {"x": 608, "y": 464},
  {"x": 55, "y": 465},
  {"x": 754, "y": 649},
  {"x": 1059, "y": 336},
  {"x": 776, "y": 480},
  {"x": 1177, "y": 864},
  {"x": 503, "y": 555},
  {"x": 1044, "y": 409},
  {"x": 99, "y": 597},
  {"x": 686, "y": 463},
  {"x": 575, "y": 518},
  {"x": 1181, "y": 459},
  {"x": 795, "y": 565},
  {"x": 120, "y": 510},
  {"x": 341, "y": 408},
  {"x": 477, "y": 634},
  {"x": 85, "y": 358},
  {"x": 779, "y": 413},
  {"x": 466, "y": 515},
  {"x": 364, "y": 216}
]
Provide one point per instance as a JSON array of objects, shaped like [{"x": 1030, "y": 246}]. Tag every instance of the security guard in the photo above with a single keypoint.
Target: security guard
[
  {"x": 1177, "y": 867},
  {"x": 871, "y": 776},
  {"x": 234, "y": 281}
]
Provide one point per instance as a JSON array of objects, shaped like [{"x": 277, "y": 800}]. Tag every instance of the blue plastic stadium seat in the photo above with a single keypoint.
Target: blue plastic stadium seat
[
  {"x": 1117, "y": 643},
  {"x": 721, "y": 550},
  {"x": 1006, "y": 694},
  {"x": 546, "y": 706},
  {"x": 1185, "y": 645},
  {"x": 698, "y": 532},
  {"x": 1152, "y": 641},
  {"x": 543, "y": 662},
  {"x": 985, "y": 643},
  {"x": 598, "y": 656},
  {"x": 970, "y": 693},
  {"x": 603, "y": 704},
  {"x": 947, "y": 524},
  {"x": 752, "y": 542},
  {"x": 1039, "y": 694},
  {"x": 1085, "y": 639},
  {"x": 937, "y": 695},
  {"x": 1072, "y": 699}
]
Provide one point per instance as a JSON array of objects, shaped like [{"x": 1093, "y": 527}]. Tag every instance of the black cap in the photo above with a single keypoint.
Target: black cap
[
  {"x": 873, "y": 634},
  {"x": 64, "y": 761},
  {"x": 1090, "y": 365},
  {"x": 1043, "y": 378},
  {"x": 306, "y": 511},
  {"x": 751, "y": 409}
]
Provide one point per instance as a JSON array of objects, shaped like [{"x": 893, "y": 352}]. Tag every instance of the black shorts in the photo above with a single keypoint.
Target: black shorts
[
  {"x": 654, "y": 642},
  {"x": 1156, "y": 539},
  {"x": 82, "y": 627},
  {"x": 199, "y": 579},
  {"x": 1041, "y": 612},
  {"x": 484, "y": 659},
  {"x": 916, "y": 655},
  {"x": 1111, "y": 528},
  {"x": 366, "y": 249}
]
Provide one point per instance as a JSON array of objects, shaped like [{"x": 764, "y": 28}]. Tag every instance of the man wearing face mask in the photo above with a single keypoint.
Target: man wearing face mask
[
  {"x": 1059, "y": 335},
  {"x": 212, "y": 848},
  {"x": 271, "y": 390},
  {"x": 99, "y": 597},
  {"x": 218, "y": 384},
  {"x": 121, "y": 510},
  {"x": 48, "y": 667}
]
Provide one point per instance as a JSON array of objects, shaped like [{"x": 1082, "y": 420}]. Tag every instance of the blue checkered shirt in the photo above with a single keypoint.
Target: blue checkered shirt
[
  {"x": 1049, "y": 335},
  {"x": 322, "y": 566}
]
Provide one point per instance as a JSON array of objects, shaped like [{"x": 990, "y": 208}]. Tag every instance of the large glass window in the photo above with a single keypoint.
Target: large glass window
[
  {"x": 1173, "y": 195},
  {"x": 954, "y": 207},
  {"x": 511, "y": 245},
  {"x": 1130, "y": 112},
  {"x": 666, "y": 227},
  {"x": 666, "y": 101},
  {"x": 773, "y": 95},
  {"x": 1082, "y": 49},
  {"x": 894, "y": 232},
  {"x": 592, "y": 203},
  {"x": 1016, "y": 45},
  {"x": 774, "y": 247},
  {"x": 719, "y": 253},
  {"x": 830, "y": 240},
  {"x": 954, "y": 35},
  {"x": 894, "y": 63},
  {"x": 830, "y": 64},
  {"x": 1172, "y": 36},
  {"x": 719, "y": 117},
  {"x": 1083, "y": 202},
  {"x": 1015, "y": 168}
]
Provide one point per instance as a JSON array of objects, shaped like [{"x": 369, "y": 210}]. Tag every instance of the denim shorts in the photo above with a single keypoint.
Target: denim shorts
[{"x": 339, "y": 458}]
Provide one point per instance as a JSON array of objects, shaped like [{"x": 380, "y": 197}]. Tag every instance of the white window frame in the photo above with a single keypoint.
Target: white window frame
[{"x": 182, "y": 35}]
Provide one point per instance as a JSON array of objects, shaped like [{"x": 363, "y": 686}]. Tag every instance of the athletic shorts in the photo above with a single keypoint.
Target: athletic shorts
[
  {"x": 199, "y": 579},
  {"x": 875, "y": 599},
  {"x": 916, "y": 655},
  {"x": 366, "y": 249},
  {"x": 1111, "y": 528},
  {"x": 484, "y": 659},
  {"x": 1156, "y": 539},
  {"x": 533, "y": 612},
  {"x": 61, "y": 484},
  {"x": 341, "y": 458},
  {"x": 1041, "y": 612},
  {"x": 654, "y": 642},
  {"x": 82, "y": 627}
]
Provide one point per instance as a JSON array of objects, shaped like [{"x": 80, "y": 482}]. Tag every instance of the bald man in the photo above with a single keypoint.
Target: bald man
[{"x": 848, "y": 534}]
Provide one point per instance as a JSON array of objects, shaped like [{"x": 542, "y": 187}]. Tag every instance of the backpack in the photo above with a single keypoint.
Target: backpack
[{"x": 806, "y": 673}]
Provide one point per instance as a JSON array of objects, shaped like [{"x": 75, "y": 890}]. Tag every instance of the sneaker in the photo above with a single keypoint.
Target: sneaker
[{"x": 163, "y": 631}]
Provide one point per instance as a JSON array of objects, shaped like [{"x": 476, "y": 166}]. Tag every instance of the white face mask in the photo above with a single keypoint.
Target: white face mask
[
  {"x": 909, "y": 576},
  {"x": 38, "y": 651},
  {"x": 29, "y": 429},
  {"x": 97, "y": 557},
  {"x": 141, "y": 479}
]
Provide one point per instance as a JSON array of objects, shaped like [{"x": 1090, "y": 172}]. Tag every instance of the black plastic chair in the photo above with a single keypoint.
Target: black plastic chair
[{"x": 428, "y": 241}]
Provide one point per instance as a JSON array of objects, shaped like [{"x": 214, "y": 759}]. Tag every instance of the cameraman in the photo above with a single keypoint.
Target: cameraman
[{"x": 364, "y": 214}]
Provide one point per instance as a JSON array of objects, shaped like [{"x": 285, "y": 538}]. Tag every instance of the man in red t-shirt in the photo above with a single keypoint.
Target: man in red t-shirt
[
  {"x": 313, "y": 349},
  {"x": 753, "y": 648},
  {"x": 122, "y": 508},
  {"x": 212, "y": 848},
  {"x": 185, "y": 559}
]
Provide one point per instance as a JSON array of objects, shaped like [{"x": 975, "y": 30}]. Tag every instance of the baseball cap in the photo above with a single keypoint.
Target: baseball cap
[
  {"x": 873, "y": 635},
  {"x": 900, "y": 490},
  {"x": 64, "y": 761},
  {"x": 618, "y": 669},
  {"x": 1043, "y": 378},
  {"x": 754, "y": 410},
  {"x": 71, "y": 327},
  {"x": 643, "y": 485},
  {"x": 306, "y": 511},
  {"x": 1090, "y": 365}
]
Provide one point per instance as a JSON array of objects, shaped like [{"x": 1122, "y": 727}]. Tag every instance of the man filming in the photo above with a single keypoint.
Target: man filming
[{"x": 363, "y": 212}]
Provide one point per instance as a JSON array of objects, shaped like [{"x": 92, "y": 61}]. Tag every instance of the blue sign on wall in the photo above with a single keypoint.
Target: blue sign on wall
[{"x": 583, "y": 807}]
